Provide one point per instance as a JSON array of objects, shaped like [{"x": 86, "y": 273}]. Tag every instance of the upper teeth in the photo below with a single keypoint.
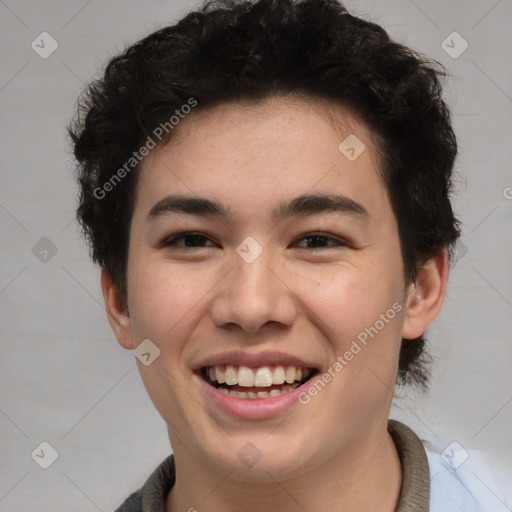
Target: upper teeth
[{"x": 264, "y": 376}]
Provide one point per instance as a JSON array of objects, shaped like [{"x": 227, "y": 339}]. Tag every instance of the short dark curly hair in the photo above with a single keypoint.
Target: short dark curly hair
[{"x": 232, "y": 50}]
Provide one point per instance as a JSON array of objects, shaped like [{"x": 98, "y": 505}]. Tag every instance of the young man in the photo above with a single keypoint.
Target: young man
[{"x": 265, "y": 186}]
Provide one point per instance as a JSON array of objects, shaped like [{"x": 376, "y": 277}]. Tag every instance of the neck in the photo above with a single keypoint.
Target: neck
[{"x": 368, "y": 476}]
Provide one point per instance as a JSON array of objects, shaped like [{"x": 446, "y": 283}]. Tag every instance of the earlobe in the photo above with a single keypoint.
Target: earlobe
[
  {"x": 426, "y": 295},
  {"x": 117, "y": 311}
]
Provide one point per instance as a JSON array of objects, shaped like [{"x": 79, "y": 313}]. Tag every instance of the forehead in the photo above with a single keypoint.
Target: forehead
[{"x": 247, "y": 154}]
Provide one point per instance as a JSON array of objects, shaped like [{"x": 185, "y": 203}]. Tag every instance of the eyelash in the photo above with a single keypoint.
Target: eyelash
[{"x": 182, "y": 236}]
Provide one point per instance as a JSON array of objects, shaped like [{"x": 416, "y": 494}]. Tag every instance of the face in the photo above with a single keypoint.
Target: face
[{"x": 260, "y": 253}]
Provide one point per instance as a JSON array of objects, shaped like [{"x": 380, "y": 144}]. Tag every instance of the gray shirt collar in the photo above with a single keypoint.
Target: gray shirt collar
[{"x": 414, "y": 494}]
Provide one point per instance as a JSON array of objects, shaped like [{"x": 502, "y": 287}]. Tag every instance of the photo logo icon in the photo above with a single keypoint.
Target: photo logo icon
[
  {"x": 44, "y": 455},
  {"x": 351, "y": 147},
  {"x": 249, "y": 250},
  {"x": 460, "y": 251},
  {"x": 454, "y": 455},
  {"x": 44, "y": 250},
  {"x": 454, "y": 45},
  {"x": 44, "y": 45},
  {"x": 249, "y": 455},
  {"x": 146, "y": 352}
]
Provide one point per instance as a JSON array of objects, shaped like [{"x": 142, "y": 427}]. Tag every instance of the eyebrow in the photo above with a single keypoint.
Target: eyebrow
[
  {"x": 301, "y": 206},
  {"x": 314, "y": 204}
]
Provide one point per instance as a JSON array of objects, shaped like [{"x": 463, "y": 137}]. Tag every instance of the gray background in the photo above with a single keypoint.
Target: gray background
[{"x": 64, "y": 378}]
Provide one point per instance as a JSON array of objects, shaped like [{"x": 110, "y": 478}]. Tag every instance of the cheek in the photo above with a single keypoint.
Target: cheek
[
  {"x": 165, "y": 307},
  {"x": 347, "y": 299},
  {"x": 163, "y": 300}
]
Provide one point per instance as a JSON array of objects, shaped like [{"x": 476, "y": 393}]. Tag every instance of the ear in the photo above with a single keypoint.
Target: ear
[
  {"x": 426, "y": 295},
  {"x": 117, "y": 312}
]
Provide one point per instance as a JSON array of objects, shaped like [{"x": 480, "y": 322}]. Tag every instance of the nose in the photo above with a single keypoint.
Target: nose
[{"x": 254, "y": 295}]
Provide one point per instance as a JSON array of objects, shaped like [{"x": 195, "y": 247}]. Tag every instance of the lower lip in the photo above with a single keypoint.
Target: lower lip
[{"x": 252, "y": 408}]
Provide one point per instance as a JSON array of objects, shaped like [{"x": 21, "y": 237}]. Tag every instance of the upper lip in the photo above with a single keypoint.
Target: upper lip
[{"x": 241, "y": 358}]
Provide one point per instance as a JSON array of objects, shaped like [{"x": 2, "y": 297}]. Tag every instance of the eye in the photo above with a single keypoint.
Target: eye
[
  {"x": 319, "y": 241},
  {"x": 187, "y": 240},
  {"x": 192, "y": 240}
]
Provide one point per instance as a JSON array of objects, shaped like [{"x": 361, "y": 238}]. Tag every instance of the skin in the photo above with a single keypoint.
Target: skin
[{"x": 335, "y": 452}]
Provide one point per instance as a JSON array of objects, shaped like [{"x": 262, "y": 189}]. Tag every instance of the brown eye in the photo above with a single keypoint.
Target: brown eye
[
  {"x": 319, "y": 241},
  {"x": 187, "y": 240}
]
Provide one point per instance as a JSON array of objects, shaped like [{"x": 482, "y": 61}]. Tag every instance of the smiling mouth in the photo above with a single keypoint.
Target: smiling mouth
[{"x": 252, "y": 383}]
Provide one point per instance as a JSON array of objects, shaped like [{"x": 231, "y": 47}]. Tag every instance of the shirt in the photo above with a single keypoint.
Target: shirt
[{"x": 432, "y": 481}]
